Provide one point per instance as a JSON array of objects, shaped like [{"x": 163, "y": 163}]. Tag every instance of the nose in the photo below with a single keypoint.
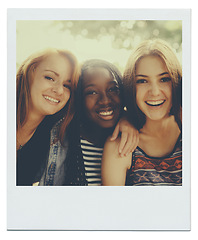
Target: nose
[
  {"x": 58, "y": 88},
  {"x": 104, "y": 98},
  {"x": 155, "y": 89}
]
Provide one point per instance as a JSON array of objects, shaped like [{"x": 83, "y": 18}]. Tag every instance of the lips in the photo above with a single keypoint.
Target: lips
[
  {"x": 106, "y": 114},
  {"x": 52, "y": 100},
  {"x": 155, "y": 103}
]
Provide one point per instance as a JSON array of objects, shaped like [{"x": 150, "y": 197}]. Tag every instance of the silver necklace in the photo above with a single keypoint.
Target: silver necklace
[{"x": 20, "y": 146}]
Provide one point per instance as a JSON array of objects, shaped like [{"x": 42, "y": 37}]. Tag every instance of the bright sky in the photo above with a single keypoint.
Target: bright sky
[{"x": 33, "y": 36}]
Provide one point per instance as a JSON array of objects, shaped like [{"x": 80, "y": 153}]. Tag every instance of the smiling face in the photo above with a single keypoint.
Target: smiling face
[
  {"x": 101, "y": 97},
  {"x": 153, "y": 88},
  {"x": 50, "y": 86}
]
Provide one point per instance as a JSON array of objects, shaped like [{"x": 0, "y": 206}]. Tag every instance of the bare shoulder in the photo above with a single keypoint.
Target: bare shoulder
[
  {"x": 111, "y": 153},
  {"x": 114, "y": 167},
  {"x": 109, "y": 144}
]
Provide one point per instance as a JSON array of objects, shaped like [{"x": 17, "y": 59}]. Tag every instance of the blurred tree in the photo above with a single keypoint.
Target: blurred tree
[
  {"x": 126, "y": 34},
  {"x": 112, "y": 40}
]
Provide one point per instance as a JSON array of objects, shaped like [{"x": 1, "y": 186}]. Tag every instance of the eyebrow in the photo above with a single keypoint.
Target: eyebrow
[
  {"x": 110, "y": 82},
  {"x": 90, "y": 85},
  {"x": 164, "y": 73},
  {"x": 46, "y": 70},
  {"x": 141, "y": 75},
  {"x": 161, "y": 74},
  {"x": 69, "y": 80}
]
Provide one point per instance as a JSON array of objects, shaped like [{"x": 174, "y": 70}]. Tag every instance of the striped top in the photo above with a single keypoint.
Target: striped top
[
  {"x": 92, "y": 156},
  {"x": 153, "y": 171}
]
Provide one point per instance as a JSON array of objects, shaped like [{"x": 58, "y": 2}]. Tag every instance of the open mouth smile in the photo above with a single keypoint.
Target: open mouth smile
[
  {"x": 106, "y": 114},
  {"x": 53, "y": 100},
  {"x": 155, "y": 103}
]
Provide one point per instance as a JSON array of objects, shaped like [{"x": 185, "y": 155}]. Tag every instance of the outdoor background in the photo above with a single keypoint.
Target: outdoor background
[{"x": 108, "y": 40}]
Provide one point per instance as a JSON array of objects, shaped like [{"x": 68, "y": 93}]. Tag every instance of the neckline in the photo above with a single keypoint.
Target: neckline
[
  {"x": 166, "y": 156},
  {"x": 27, "y": 143},
  {"x": 33, "y": 136}
]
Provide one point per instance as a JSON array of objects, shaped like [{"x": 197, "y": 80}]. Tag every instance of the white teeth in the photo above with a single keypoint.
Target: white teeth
[
  {"x": 106, "y": 113},
  {"x": 51, "y": 99},
  {"x": 157, "y": 102}
]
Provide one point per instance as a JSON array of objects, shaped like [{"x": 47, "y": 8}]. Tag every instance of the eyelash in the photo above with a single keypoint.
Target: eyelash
[
  {"x": 166, "y": 79},
  {"x": 67, "y": 86},
  {"x": 111, "y": 90},
  {"x": 49, "y": 78},
  {"x": 141, "y": 81},
  {"x": 114, "y": 89},
  {"x": 91, "y": 92},
  {"x": 64, "y": 85}
]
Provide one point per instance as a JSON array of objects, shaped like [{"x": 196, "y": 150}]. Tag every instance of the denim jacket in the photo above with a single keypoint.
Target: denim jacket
[
  {"x": 55, "y": 170},
  {"x": 74, "y": 163}
]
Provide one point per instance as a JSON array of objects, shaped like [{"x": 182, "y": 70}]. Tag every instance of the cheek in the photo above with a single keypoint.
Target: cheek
[
  {"x": 67, "y": 96},
  {"x": 168, "y": 91},
  {"x": 38, "y": 88},
  {"x": 139, "y": 96},
  {"x": 88, "y": 104},
  {"x": 118, "y": 104},
  {"x": 142, "y": 92},
  {"x": 116, "y": 99},
  {"x": 33, "y": 93}
]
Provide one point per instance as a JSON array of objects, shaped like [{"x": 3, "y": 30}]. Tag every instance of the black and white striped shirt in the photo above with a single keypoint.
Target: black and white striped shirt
[{"x": 92, "y": 156}]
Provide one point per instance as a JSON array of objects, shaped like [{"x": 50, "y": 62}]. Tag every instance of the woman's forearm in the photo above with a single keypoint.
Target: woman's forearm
[{"x": 114, "y": 167}]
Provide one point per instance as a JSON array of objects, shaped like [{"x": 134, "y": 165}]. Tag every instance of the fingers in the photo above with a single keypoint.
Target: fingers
[
  {"x": 115, "y": 132},
  {"x": 134, "y": 144},
  {"x": 123, "y": 141},
  {"x": 127, "y": 148},
  {"x": 128, "y": 143}
]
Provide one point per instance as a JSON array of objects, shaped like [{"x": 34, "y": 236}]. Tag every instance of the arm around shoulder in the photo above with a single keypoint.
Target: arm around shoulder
[{"x": 114, "y": 167}]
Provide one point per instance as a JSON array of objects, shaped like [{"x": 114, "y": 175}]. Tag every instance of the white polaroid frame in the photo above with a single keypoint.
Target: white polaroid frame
[{"x": 98, "y": 208}]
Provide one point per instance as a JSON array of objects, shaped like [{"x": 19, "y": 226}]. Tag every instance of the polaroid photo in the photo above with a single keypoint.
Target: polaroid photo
[{"x": 110, "y": 35}]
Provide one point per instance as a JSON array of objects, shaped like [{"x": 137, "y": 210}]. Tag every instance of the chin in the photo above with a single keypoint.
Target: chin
[
  {"x": 51, "y": 112},
  {"x": 157, "y": 118},
  {"x": 107, "y": 125}
]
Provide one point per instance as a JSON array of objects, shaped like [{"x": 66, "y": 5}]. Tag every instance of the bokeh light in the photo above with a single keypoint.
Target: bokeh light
[{"x": 109, "y": 40}]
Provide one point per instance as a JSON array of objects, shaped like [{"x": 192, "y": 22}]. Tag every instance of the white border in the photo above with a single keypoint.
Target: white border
[{"x": 96, "y": 208}]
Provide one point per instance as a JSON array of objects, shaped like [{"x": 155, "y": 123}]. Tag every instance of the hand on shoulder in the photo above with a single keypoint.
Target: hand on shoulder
[{"x": 114, "y": 167}]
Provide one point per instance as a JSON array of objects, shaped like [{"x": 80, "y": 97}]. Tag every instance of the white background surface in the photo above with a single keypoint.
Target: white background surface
[{"x": 89, "y": 235}]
